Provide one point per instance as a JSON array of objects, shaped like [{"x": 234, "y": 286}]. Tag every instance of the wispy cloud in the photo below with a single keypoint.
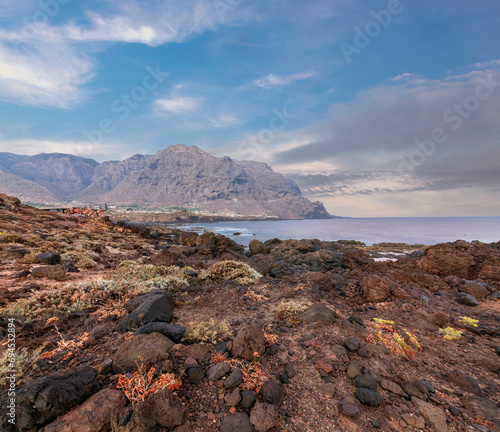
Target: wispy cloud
[
  {"x": 270, "y": 81},
  {"x": 178, "y": 104},
  {"x": 42, "y": 72},
  {"x": 45, "y": 65}
]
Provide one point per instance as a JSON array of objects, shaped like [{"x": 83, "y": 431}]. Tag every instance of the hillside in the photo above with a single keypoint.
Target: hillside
[{"x": 124, "y": 328}]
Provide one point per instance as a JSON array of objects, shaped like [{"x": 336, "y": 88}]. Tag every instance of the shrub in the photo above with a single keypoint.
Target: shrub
[
  {"x": 231, "y": 270},
  {"x": 469, "y": 321},
  {"x": 290, "y": 311},
  {"x": 83, "y": 258},
  {"x": 208, "y": 331},
  {"x": 152, "y": 277},
  {"x": 450, "y": 333},
  {"x": 64, "y": 298},
  {"x": 142, "y": 385}
]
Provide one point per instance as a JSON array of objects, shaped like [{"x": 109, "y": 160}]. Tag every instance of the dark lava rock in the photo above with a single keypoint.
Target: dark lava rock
[
  {"x": 145, "y": 346},
  {"x": 249, "y": 340},
  {"x": 234, "y": 379},
  {"x": 174, "y": 332},
  {"x": 368, "y": 397},
  {"x": 133, "y": 304},
  {"x": 221, "y": 347},
  {"x": 247, "y": 399},
  {"x": 319, "y": 313},
  {"x": 271, "y": 392},
  {"x": 49, "y": 258},
  {"x": 22, "y": 274},
  {"x": 195, "y": 375},
  {"x": 348, "y": 408},
  {"x": 367, "y": 381},
  {"x": 217, "y": 371},
  {"x": 290, "y": 370},
  {"x": 352, "y": 344},
  {"x": 467, "y": 299},
  {"x": 264, "y": 416},
  {"x": 417, "y": 389},
  {"x": 284, "y": 378},
  {"x": 43, "y": 400},
  {"x": 155, "y": 308},
  {"x": 465, "y": 382},
  {"x": 239, "y": 422}
]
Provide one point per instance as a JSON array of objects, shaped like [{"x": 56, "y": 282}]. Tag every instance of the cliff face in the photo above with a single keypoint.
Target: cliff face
[{"x": 178, "y": 175}]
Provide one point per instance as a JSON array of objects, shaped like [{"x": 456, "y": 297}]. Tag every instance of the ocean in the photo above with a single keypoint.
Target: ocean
[{"x": 426, "y": 230}]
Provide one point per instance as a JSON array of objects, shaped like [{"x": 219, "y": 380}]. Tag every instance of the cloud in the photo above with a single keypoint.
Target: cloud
[
  {"x": 270, "y": 81},
  {"x": 43, "y": 73},
  {"x": 189, "y": 113},
  {"x": 178, "y": 105},
  {"x": 378, "y": 143},
  {"x": 155, "y": 23},
  {"x": 43, "y": 65}
]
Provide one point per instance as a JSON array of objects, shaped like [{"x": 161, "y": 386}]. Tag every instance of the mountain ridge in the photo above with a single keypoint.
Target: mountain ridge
[{"x": 176, "y": 175}]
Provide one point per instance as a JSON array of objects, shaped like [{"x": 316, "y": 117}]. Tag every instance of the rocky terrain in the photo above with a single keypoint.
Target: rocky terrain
[
  {"x": 177, "y": 176},
  {"x": 124, "y": 328}
]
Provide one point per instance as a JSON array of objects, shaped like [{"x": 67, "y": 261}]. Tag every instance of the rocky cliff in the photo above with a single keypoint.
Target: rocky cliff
[{"x": 177, "y": 175}]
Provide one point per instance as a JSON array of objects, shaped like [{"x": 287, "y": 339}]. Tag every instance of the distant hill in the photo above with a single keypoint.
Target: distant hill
[{"x": 176, "y": 176}]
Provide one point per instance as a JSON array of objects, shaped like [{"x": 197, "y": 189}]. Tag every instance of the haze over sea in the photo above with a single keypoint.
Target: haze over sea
[{"x": 425, "y": 230}]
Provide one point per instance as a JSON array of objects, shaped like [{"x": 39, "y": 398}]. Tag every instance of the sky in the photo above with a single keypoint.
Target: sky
[{"x": 375, "y": 108}]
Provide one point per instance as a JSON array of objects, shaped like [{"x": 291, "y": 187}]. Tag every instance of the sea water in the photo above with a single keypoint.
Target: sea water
[{"x": 428, "y": 230}]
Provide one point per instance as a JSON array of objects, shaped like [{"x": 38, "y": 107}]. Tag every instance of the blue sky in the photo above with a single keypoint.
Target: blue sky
[{"x": 376, "y": 108}]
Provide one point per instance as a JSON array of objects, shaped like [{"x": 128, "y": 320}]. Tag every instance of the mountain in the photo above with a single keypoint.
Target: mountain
[{"x": 177, "y": 175}]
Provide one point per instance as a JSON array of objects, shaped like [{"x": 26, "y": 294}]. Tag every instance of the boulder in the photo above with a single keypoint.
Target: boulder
[
  {"x": 376, "y": 288},
  {"x": 465, "y": 382},
  {"x": 271, "y": 392},
  {"x": 94, "y": 415},
  {"x": 234, "y": 379},
  {"x": 466, "y": 299},
  {"x": 162, "y": 409},
  {"x": 319, "y": 313},
  {"x": 264, "y": 416},
  {"x": 217, "y": 371},
  {"x": 174, "y": 332},
  {"x": 249, "y": 343},
  {"x": 349, "y": 408},
  {"x": 256, "y": 247},
  {"x": 239, "y": 422},
  {"x": 149, "y": 346},
  {"x": 49, "y": 258},
  {"x": 43, "y": 400},
  {"x": 368, "y": 397},
  {"x": 165, "y": 258},
  {"x": 155, "y": 308},
  {"x": 247, "y": 399},
  {"x": 435, "y": 415},
  {"x": 133, "y": 304},
  {"x": 447, "y": 260},
  {"x": 476, "y": 290},
  {"x": 56, "y": 272},
  {"x": 367, "y": 381}
]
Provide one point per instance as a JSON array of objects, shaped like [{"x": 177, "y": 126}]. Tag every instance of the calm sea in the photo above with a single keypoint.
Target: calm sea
[{"x": 426, "y": 231}]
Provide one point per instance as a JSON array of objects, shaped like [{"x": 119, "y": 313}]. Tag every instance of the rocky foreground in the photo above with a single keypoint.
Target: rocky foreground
[{"x": 133, "y": 329}]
